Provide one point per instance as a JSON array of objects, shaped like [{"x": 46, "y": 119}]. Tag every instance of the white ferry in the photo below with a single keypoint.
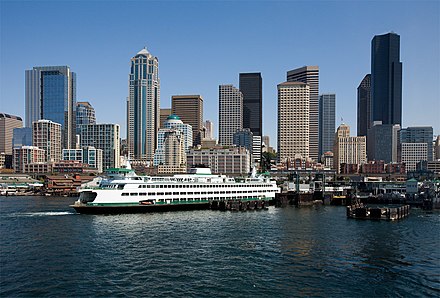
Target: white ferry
[{"x": 126, "y": 192}]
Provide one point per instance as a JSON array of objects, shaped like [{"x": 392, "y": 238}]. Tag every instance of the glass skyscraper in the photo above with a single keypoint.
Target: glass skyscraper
[
  {"x": 85, "y": 114},
  {"x": 364, "y": 106},
  {"x": 251, "y": 86},
  {"x": 327, "y": 106},
  {"x": 143, "y": 106},
  {"x": 51, "y": 95},
  {"x": 386, "y": 79}
]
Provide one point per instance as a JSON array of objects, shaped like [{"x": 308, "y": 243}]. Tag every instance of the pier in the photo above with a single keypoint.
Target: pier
[{"x": 360, "y": 211}]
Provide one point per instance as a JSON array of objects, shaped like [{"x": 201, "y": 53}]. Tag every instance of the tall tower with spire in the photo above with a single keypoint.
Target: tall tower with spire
[{"x": 143, "y": 106}]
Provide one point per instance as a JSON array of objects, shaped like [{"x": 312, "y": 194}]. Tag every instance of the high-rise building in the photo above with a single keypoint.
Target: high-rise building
[
  {"x": 386, "y": 79},
  {"x": 230, "y": 113},
  {"x": 143, "y": 106},
  {"x": 51, "y": 95},
  {"x": 293, "y": 121},
  {"x": 105, "y": 137},
  {"x": 25, "y": 155},
  {"x": 251, "y": 86},
  {"x": 364, "y": 106},
  {"x": 22, "y": 137},
  {"x": 7, "y": 125},
  {"x": 46, "y": 135},
  {"x": 348, "y": 150},
  {"x": 382, "y": 142},
  {"x": 243, "y": 138},
  {"x": 164, "y": 113},
  {"x": 327, "y": 112},
  {"x": 85, "y": 114},
  {"x": 190, "y": 110},
  {"x": 418, "y": 134},
  {"x": 174, "y": 152},
  {"x": 413, "y": 153},
  {"x": 209, "y": 130},
  {"x": 310, "y": 76}
]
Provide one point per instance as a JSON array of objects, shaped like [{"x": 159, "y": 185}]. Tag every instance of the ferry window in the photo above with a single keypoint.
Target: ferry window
[
  {"x": 183, "y": 199},
  {"x": 175, "y": 193},
  {"x": 124, "y": 194},
  {"x": 160, "y": 193},
  {"x": 161, "y": 200},
  {"x": 133, "y": 194},
  {"x": 142, "y": 193},
  {"x": 175, "y": 200},
  {"x": 168, "y": 194},
  {"x": 140, "y": 186},
  {"x": 183, "y": 193},
  {"x": 190, "y": 193}
]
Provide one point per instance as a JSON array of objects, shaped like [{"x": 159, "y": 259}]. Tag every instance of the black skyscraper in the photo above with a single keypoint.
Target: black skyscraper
[
  {"x": 252, "y": 88},
  {"x": 364, "y": 106},
  {"x": 386, "y": 79}
]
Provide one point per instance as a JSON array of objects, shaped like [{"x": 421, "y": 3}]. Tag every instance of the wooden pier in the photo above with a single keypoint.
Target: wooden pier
[{"x": 359, "y": 211}]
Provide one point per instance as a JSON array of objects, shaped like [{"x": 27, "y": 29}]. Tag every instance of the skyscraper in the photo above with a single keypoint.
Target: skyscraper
[
  {"x": 85, "y": 114},
  {"x": 293, "y": 121},
  {"x": 418, "y": 134},
  {"x": 382, "y": 142},
  {"x": 310, "y": 76},
  {"x": 386, "y": 79},
  {"x": 251, "y": 87},
  {"x": 327, "y": 103},
  {"x": 164, "y": 114},
  {"x": 364, "y": 106},
  {"x": 230, "y": 113},
  {"x": 7, "y": 125},
  {"x": 189, "y": 108},
  {"x": 209, "y": 129},
  {"x": 51, "y": 95},
  {"x": 46, "y": 135},
  {"x": 143, "y": 106}
]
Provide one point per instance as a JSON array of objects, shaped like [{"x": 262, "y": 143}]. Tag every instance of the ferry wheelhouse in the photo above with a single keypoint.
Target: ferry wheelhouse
[{"x": 127, "y": 192}]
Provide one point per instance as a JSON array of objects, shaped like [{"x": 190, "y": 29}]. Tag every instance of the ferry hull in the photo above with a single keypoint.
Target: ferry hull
[{"x": 87, "y": 209}]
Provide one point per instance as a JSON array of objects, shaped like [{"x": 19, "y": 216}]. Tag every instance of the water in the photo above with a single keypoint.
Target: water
[{"x": 49, "y": 250}]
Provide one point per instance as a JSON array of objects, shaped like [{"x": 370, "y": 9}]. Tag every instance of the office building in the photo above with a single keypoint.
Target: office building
[
  {"x": 209, "y": 130},
  {"x": 348, "y": 150},
  {"x": 437, "y": 148},
  {"x": 87, "y": 155},
  {"x": 310, "y": 76},
  {"x": 85, "y": 114},
  {"x": 172, "y": 123},
  {"x": 46, "y": 135},
  {"x": 243, "y": 138},
  {"x": 50, "y": 94},
  {"x": 251, "y": 86},
  {"x": 382, "y": 142},
  {"x": 7, "y": 125},
  {"x": 27, "y": 155},
  {"x": 327, "y": 114},
  {"x": 386, "y": 79},
  {"x": 164, "y": 113},
  {"x": 104, "y": 137},
  {"x": 413, "y": 153},
  {"x": 22, "y": 137},
  {"x": 174, "y": 153},
  {"x": 419, "y": 134},
  {"x": 364, "y": 106},
  {"x": 143, "y": 106},
  {"x": 230, "y": 113},
  {"x": 190, "y": 110},
  {"x": 234, "y": 160},
  {"x": 293, "y": 121}
]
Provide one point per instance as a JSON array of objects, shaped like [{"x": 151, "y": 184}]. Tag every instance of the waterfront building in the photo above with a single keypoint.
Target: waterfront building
[
  {"x": 46, "y": 135},
  {"x": 85, "y": 114},
  {"x": 50, "y": 94},
  {"x": 87, "y": 155},
  {"x": 364, "y": 106},
  {"x": 7, "y": 125},
  {"x": 143, "y": 106},
  {"x": 382, "y": 142},
  {"x": 104, "y": 137},
  {"x": 233, "y": 160},
  {"x": 190, "y": 110},
  {"x": 230, "y": 113},
  {"x": 327, "y": 117},
  {"x": 209, "y": 130},
  {"x": 419, "y": 134},
  {"x": 26, "y": 155},
  {"x": 164, "y": 113},
  {"x": 386, "y": 79},
  {"x": 172, "y": 123},
  {"x": 412, "y": 153},
  {"x": 348, "y": 150},
  {"x": 310, "y": 76},
  {"x": 251, "y": 86},
  {"x": 293, "y": 120}
]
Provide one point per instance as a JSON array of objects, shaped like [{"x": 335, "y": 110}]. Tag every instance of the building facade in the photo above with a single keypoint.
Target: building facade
[
  {"x": 46, "y": 135},
  {"x": 50, "y": 94},
  {"x": 386, "y": 79},
  {"x": 293, "y": 121},
  {"x": 251, "y": 86},
  {"x": 230, "y": 113},
  {"x": 143, "y": 106},
  {"x": 310, "y": 76},
  {"x": 190, "y": 110},
  {"x": 22, "y": 137},
  {"x": 87, "y": 155},
  {"x": 413, "y": 153},
  {"x": 419, "y": 134},
  {"x": 7, "y": 125},
  {"x": 327, "y": 117},
  {"x": 348, "y": 150},
  {"x": 27, "y": 155},
  {"x": 85, "y": 114},
  {"x": 174, "y": 153},
  {"x": 382, "y": 142},
  {"x": 105, "y": 137},
  {"x": 364, "y": 106},
  {"x": 164, "y": 113},
  {"x": 209, "y": 130}
]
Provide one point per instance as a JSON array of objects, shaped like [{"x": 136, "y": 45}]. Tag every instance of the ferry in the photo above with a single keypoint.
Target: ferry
[{"x": 126, "y": 192}]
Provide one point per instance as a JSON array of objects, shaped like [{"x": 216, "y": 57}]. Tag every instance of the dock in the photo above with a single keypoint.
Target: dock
[{"x": 360, "y": 211}]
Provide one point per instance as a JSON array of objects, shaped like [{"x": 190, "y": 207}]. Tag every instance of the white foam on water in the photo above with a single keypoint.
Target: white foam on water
[{"x": 49, "y": 213}]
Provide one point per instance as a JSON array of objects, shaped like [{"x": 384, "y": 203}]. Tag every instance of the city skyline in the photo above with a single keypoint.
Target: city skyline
[{"x": 343, "y": 62}]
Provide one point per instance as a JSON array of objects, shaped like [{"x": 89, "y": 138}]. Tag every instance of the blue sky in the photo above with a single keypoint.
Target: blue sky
[{"x": 202, "y": 44}]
